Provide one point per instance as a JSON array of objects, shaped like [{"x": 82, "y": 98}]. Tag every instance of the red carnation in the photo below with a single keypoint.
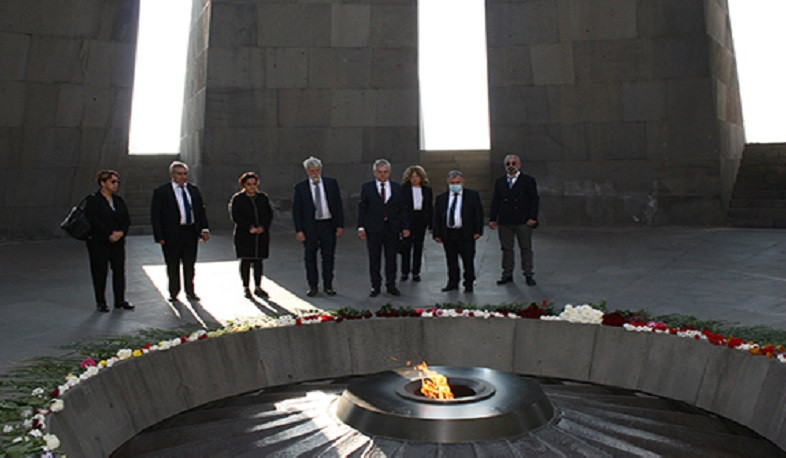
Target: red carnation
[{"x": 614, "y": 319}]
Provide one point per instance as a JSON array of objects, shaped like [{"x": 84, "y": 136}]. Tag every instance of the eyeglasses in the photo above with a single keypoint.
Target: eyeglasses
[
  {"x": 511, "y": 163},
  {"x": 114, "y": 181}
]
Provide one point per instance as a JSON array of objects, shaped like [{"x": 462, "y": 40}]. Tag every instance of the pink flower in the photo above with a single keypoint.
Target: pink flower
[{"x": 87, "y": 363}]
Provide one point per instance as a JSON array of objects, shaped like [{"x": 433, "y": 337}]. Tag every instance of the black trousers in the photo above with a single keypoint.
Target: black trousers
[
  {"x": 412, "y": 246},
  {"x": 324, "y": 239},
  {"x": 456, "y": 245},
  {"x": 245, "y": 271},
  {"x": 181, "y": 250},
  {"x": 376, "y": 242},
  {"x": 104, "y": 254}
]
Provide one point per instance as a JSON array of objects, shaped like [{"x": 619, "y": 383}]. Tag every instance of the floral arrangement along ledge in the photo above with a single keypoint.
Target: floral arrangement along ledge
[{"x": 24, "y": 417}]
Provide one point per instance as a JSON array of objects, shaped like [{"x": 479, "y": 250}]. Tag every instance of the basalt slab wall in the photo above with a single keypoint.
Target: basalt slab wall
[
  {"x": 626, "y": 112},
  {"x": 66, "y": 72},
  {"x": 278, "y": 81},
  {"x": 106, "y": 410}
]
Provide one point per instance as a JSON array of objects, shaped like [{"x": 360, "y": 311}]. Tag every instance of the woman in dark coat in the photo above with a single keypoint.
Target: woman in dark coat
[
  {"x": 252, "y": 214},
  {"x": 109, "y": 222},
  {"x": 418, "y": 199}
]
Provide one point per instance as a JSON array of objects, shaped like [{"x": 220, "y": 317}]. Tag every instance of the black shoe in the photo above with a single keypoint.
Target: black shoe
[
  {"x": 312, "y": 291},
  {"x": 393, "y": 290},
  {"x": 329, "y": 290},
  {"x": 192, "y": 297},
  {"x": 173, "y": 299},
  {"x": 416, "y": 277},
  {"x": 261, "y": 293},
  {"x": 374, "y": 292},
  {"x": 505, "y": 279},
  {"x": 531, "y": 281},
  {"x": 102, "y": 307},
  {"x": 449, "y": 288},
  {"x": 469, "y": 289},
  {"x": 247, "y": 293},
  {"x": 404, "y": 277},
  {"x": 125, "y": 305}
]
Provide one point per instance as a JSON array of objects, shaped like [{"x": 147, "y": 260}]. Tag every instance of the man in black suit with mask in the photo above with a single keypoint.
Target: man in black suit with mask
[
  {"x": 458, "y": 222},
  {"x": 319, "y": 219},
  {"x": 179, "y": 221},
  {"x": 382, "y": 220}
]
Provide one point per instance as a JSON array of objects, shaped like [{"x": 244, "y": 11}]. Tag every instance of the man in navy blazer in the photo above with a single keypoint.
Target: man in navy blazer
[
  {"x": 382, "y": 221},
  {"x": 319, "y": 219},
  {"x": 179, "y": 220},
  {"x": 514, "y": 210},
  {"x": 458, "y": 223}
]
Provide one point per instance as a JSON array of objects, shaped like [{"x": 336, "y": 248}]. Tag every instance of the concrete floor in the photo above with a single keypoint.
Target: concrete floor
[{"x": 736, "y": 275}]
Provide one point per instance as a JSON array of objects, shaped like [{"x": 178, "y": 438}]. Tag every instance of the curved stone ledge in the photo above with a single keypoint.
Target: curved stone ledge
[{"x": 106, "y": 410}]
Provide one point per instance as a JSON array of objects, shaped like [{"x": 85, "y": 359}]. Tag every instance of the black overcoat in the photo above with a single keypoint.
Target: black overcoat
[{"x": 246, "y": 212}]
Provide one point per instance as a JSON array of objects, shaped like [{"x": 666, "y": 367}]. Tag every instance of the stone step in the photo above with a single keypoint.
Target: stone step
[
  {"x": 296, "y": 420},
  {"x": 768, "y": 183},
  {"x": 759, "y": 194},
  {"x": 757, "y": 203}
]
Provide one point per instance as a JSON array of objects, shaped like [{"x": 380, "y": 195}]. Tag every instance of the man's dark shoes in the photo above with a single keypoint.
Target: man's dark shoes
[
  {"x": 192, "y": 297},
  {"x": 449, "y": 288},
  {"x": 505, "y": 279},
  {"x": 416, "y": 277},
  {"x": 394, "y": 291},
  {"x": 374, "y": 292},
  {"x": 261, "y": 293},
  {"x": 173, "y": 299},
  {"x": 125, "y": 305},
  {"x": 531, "y": 281},
  {"x": 312, "y": 291},
  {"x": 247, "y": 293},
  {"x": 469, "y": 289},
  {"x": 329, "y": 290},
  {"x": 404, "y": 277},
  {"x": 101, "y": 307}
]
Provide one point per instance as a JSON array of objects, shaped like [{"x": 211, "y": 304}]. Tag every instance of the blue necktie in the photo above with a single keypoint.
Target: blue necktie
[
  {"x": 186, "y": 205},
  {"x": 510, "y": 182}
]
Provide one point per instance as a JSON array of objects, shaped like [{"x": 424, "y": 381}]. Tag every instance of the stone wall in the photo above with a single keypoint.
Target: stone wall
[
  {"x": 731, "y": 383},
  {"x": 66, "y": 72},
  {"x": 627, "y": 112},
  {"x": 287, "y": 79}
]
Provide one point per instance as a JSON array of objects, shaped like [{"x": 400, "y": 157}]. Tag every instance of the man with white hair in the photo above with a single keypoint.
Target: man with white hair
[
  {"x": 319, "y": 219},
  {"x": 382, "y": 220}
]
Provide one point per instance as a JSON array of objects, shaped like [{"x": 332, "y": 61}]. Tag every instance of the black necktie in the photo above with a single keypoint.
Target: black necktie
[
  {"x": 186, "y": 205},
  {"x": 452, "y": 212},
  {"x": 382, "y": 194}
]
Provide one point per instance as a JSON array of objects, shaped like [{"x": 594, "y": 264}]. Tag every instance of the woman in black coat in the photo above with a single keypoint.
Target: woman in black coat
[
  {"x": 109, "y": 222},
  {"x": 418, "y": 199},
  {"x": 252, "y": 214}
]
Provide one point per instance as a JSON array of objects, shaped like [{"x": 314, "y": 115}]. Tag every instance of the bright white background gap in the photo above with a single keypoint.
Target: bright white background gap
[{"x": 452, "y": 71}]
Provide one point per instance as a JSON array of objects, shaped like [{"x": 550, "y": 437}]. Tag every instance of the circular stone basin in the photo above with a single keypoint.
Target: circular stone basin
[{"x": 488, "y": 404}]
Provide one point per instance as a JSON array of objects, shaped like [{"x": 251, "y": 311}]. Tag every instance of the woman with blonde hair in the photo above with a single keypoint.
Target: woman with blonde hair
[{"x": 419, "y": 199}]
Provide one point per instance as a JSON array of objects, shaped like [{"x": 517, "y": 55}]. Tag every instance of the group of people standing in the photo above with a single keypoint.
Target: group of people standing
[{"x": 392, "y": 219}]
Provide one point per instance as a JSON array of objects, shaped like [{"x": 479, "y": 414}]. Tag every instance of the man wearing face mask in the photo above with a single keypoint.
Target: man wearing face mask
[
  {"x": 458, "y": 222},
  {"x": 514, "y": 210}
]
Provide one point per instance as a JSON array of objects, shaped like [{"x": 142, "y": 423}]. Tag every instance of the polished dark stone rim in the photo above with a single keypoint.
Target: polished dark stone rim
[{"x": 500, "y": 405}]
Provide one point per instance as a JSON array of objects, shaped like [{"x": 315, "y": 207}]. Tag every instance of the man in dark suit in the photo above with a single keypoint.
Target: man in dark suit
[
  {"x": 382, "y": 220},
  {"x": 514, "y": 210},
  {"x": 179, "y": 220},
  {"x": 319, "y": 220},
  {"x": 458, "y": 222}
]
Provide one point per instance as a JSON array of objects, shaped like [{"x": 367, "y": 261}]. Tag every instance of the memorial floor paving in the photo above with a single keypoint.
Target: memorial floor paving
[{"x": 730, "y": 274}]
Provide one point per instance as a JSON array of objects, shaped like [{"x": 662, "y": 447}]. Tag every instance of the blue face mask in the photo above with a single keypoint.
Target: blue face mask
[{"x": 455, "y": 187}]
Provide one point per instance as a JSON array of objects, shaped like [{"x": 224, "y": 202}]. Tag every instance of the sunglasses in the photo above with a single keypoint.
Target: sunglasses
[
  {"x": 114, "y": 181},
  {"x": 511, "y": 163}
]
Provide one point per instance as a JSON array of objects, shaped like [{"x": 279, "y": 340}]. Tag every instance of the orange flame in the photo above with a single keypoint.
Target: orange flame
[{"x": 433, "y": 384}]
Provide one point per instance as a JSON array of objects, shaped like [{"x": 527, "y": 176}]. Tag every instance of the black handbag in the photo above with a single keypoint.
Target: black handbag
[{"x": 76, "y": 223}]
